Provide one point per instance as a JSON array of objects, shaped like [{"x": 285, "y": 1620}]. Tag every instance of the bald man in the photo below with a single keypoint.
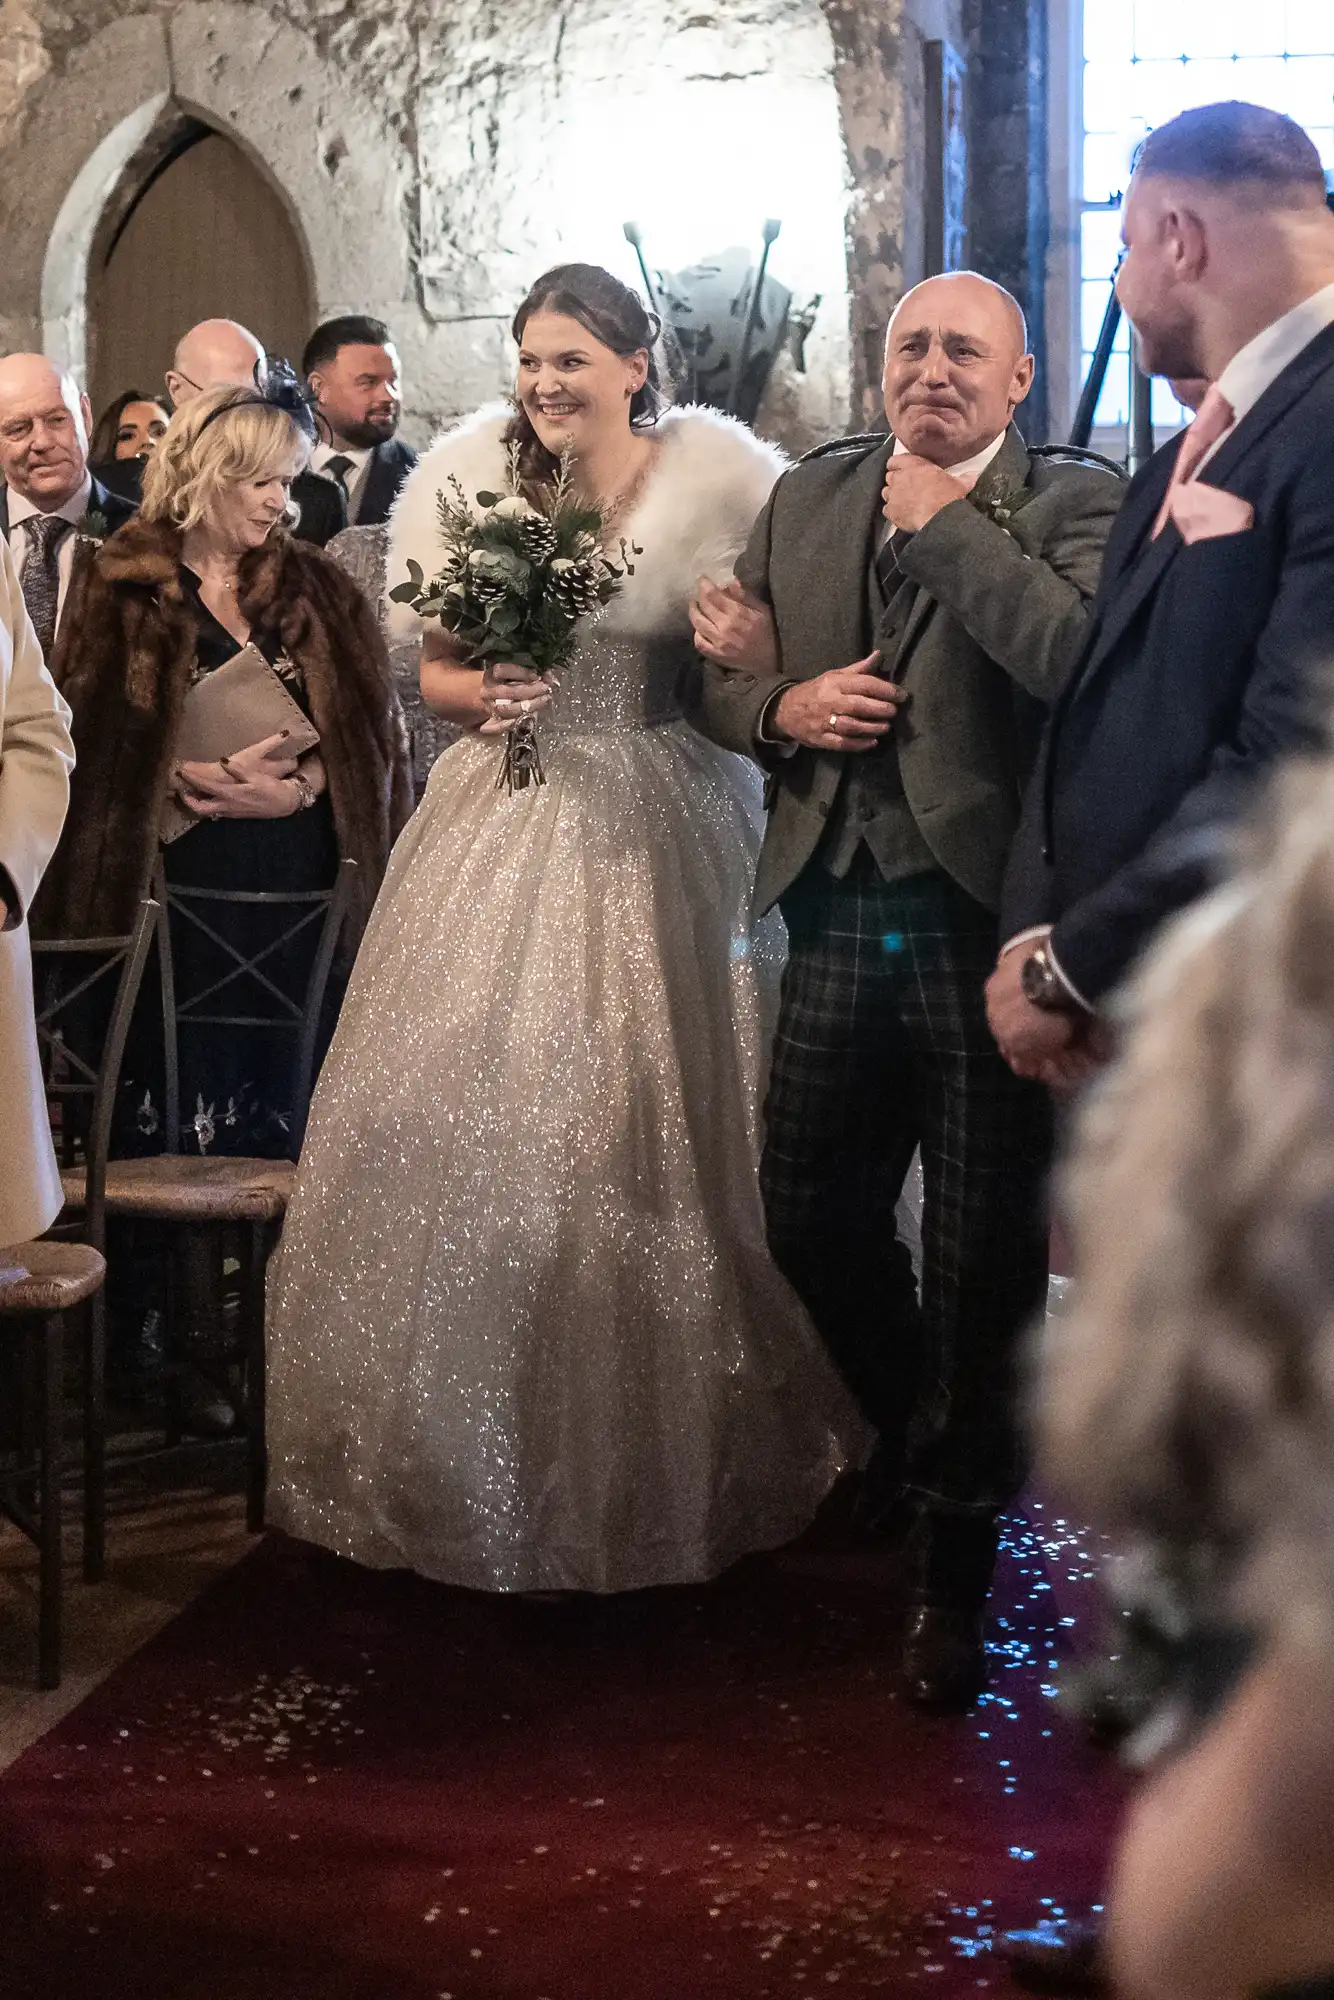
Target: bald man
[
  {"x": 216, "y": 354},
  {"x": 45, "y": 423},
  {"x": 222, "y": 354},
  {"x": 906, "y": 608}
]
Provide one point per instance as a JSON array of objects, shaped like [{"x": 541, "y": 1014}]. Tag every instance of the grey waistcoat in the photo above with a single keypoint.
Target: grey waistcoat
[{"x": 871, "y": 804}]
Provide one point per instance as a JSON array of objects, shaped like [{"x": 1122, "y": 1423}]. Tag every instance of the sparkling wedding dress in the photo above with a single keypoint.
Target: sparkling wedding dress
[{"x": 525, "y": 1333}]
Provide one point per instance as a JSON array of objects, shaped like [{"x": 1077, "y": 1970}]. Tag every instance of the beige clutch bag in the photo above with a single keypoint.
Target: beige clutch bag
[{"x": 239, "y": 703}]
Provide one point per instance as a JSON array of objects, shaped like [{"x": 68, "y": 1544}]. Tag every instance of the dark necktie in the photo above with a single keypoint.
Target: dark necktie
[
  {"x": 887, "y": 562},
  {"x": 338, "y": 468},
  {"x": 40, "y": 582}
]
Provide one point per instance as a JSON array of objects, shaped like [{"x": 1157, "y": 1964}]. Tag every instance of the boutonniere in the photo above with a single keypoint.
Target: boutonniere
[
  {"x": 94, "y": 527},
  {"x": 1000, "y": 503}
]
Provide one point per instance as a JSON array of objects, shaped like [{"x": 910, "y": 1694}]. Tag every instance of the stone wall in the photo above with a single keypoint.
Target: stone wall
[{"x": 434, "y": 157}]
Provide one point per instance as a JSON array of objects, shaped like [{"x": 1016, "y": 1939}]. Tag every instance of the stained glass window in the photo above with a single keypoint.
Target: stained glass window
[{"x": 1145, "y": 60}]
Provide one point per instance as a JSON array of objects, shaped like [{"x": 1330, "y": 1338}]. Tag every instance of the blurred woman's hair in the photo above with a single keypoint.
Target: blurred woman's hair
[
  {"x": 1189, "y": 1394},
  {"x": 617, "y": 317},
  {"x": 222, "y": 439}
]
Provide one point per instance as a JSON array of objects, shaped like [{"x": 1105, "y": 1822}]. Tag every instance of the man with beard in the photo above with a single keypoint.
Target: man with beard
[
  {"x": 351, "y": 365},
  {"x": 1214, "y": 623},
  {"x": 1206, "y": 661}
]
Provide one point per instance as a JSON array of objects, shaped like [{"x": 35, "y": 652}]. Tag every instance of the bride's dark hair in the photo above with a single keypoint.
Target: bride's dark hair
[{"x": 615, "y": 316}]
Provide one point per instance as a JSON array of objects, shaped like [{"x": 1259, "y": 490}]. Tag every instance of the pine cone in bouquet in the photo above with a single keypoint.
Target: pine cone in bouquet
[
  {"x": 575, "y": 585},
  {"x": 538, "y": 537}
]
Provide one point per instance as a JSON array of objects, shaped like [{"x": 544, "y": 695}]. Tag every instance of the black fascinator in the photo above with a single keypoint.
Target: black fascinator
[
  {"x": 286, "y": 391},
  {"x": 277, "y": 387}
]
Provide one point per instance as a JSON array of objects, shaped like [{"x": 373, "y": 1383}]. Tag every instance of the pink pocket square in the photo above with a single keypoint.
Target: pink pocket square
[{"x": 1204, "y": 512}]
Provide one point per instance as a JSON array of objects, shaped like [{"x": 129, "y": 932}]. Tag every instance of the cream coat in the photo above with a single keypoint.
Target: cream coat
[{"x": 36, "y": 757}]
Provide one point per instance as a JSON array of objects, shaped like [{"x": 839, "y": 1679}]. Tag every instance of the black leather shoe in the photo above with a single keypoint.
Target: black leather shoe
[
  {"x": 944, "y": 1656},
  {"x": 1062, "y": 1960}
]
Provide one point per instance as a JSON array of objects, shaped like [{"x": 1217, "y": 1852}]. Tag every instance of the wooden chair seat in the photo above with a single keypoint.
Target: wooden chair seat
[
  {"x": 48, "y": 1277},
  {"x": 181, "y": 1187}
]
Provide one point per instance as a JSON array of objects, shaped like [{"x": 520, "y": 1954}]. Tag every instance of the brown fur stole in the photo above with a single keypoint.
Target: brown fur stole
[{"x": 122, "y": 660}]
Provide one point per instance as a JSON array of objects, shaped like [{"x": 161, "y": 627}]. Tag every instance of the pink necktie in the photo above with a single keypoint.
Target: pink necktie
[{"x": 1213, "y": 420}]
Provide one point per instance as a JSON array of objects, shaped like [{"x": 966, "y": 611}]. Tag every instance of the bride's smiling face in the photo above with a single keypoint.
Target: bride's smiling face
[{"x": 575, "y": 390}]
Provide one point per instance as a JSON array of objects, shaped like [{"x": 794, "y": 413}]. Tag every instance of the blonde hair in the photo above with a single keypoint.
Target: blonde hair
[
  {"x": 1190, "y": 1392},
  {"x": 223, "y": 438}
]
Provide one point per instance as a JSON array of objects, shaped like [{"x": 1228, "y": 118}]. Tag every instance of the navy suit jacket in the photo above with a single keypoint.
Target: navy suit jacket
[
  {"x": 1203, "y": 664},
  {"x": 390, "y": 464}
]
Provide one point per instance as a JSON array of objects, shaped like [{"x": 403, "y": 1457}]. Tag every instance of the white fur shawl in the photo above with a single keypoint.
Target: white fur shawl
[{"x": 694, "y": 515}]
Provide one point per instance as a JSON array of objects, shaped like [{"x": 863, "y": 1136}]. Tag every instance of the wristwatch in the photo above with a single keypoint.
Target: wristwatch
[
  {"x": 308, "y": 795},
  {"x": 1043, "y": 985}
]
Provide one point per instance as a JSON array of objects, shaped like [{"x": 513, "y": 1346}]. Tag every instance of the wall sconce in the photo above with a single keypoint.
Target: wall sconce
[{"x": 724, "y": 322}]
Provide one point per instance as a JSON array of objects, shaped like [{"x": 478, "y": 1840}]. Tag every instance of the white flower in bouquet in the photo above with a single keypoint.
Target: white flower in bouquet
[{"x": 515, "y": 581}]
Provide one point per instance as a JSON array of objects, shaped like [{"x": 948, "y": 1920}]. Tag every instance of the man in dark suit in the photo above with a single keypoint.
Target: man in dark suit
[
  {"x": 1214, "y": 625},
  {"x": 960, "y": 563},
  {"x": 351, "y": 365},
  {"x": 52, "y": 510},
  {"x": 221, "y": 354}
]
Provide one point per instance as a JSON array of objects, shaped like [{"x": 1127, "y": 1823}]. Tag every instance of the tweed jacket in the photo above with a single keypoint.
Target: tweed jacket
[
  {"x": 994, "y": 627},
  {"x": 122, "y": 660}
]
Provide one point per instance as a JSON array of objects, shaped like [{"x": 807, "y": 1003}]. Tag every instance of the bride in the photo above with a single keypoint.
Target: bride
[{"x": 525, "y": 1334}]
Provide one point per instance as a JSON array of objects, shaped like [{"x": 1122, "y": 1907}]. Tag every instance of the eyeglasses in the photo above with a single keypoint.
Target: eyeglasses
[{"x": 258, "y": 375}]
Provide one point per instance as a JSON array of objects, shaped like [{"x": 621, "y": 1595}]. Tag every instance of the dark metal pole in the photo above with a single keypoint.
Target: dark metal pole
[
  {"x": 1141, "y": 413},
  {"x": 632, "y": 236},
  {"x": 771, "y": 229},
  {"x": 1082, "y": 428}
]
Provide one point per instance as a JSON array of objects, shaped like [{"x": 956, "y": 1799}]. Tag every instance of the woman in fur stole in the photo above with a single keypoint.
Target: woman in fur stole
[
  {"x": 201, "y": 571},
  {"x": 525, "y": 1331}
]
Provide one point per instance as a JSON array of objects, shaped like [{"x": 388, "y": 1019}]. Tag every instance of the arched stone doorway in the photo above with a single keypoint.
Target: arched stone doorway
[
  {"x": 84, "y": 136},
  {"x": 206, "y": 236}
]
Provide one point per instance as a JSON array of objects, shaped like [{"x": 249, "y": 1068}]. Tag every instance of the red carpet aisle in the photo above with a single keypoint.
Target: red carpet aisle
[{"x": 321, "y": 1784}]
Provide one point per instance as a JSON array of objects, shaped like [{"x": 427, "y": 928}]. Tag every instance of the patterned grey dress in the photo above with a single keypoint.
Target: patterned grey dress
[{"x": 362, "y": 552}]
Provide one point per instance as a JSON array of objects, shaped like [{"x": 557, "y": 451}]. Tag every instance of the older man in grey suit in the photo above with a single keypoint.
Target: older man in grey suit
[{"x": 952, "y": 567}]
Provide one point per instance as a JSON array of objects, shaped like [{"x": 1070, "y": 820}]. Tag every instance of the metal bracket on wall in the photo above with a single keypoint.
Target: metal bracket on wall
[{"x": 724, "y": 322}]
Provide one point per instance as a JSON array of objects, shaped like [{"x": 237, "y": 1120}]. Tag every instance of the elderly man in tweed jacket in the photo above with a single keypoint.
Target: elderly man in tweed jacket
[{"x": 906, "y": 607}]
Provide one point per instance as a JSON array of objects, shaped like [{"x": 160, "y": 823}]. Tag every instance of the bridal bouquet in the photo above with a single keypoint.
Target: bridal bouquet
[{"x": 514, "y": 582}]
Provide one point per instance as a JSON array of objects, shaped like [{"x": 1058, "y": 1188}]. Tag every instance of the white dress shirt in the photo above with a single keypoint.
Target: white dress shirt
[
  {"x": 354, "y": 479},
  {"x": 20, "y": 543},
  {"x": 1262, "y": 360},
  {"x": 967, "y": 468}
]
